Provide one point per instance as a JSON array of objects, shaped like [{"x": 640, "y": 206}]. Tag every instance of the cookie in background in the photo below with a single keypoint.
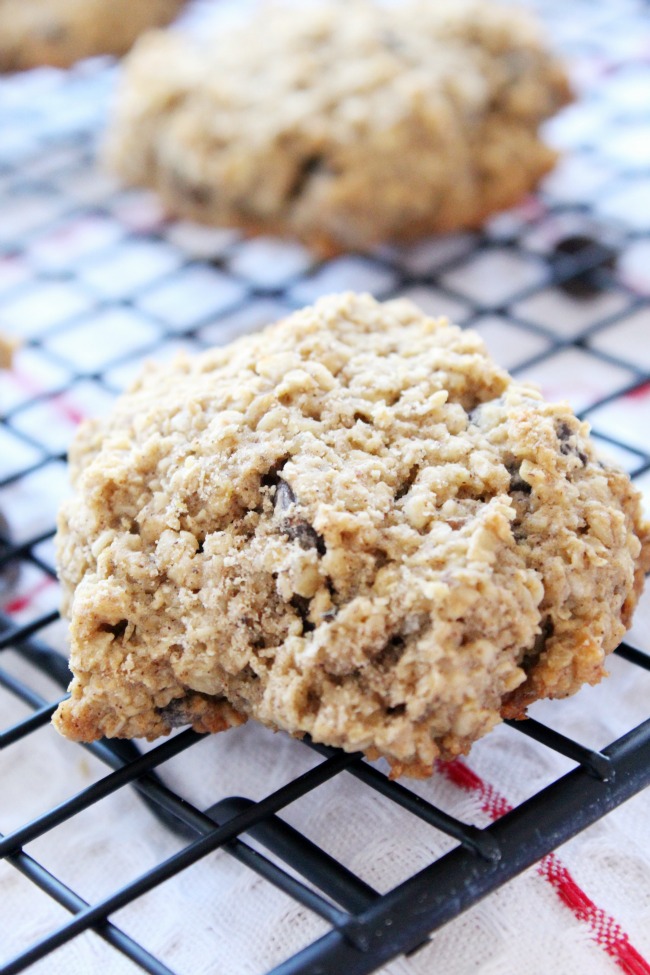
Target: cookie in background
[
  {"x": 343, "y": 125},
  {"x": 60, "y": 32}
]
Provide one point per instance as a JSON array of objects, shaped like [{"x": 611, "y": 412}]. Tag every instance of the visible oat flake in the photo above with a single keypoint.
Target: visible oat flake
[{"x": 394, "y": 585}]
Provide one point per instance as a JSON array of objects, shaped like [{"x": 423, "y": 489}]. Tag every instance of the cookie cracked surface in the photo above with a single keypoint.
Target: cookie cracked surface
[
  {"x": 60, "y": 32},
  {"x": 344, "y": 130},
  {"x": 353, "y": 524}
]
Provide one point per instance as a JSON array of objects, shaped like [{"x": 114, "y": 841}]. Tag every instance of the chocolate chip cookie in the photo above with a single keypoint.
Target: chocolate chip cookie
[
  {"x": 60, "y": 32},
  {"x": 342, "y": 128},
  {"x": 353, "y": 524}
]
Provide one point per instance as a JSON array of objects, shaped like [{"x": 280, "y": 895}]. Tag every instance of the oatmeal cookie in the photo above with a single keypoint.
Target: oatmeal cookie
[
  {"x": 353, "y": 524},
  {"x": 60, "y": 32},
  {"x": 342, "y": 129}
]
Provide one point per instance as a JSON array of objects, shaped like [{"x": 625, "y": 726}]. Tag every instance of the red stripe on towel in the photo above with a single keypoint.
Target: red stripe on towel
[
  {"x": 59, "y": 401},
  {"x": 605, "y": 930},
  {"x": 20, "y": 603}
]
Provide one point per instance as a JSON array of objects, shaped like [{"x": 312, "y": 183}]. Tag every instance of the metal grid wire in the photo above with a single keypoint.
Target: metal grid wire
[{"x": 94, "y": 279}]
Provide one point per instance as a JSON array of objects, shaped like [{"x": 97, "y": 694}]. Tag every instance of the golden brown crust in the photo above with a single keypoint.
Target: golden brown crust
[{"x": 556, "y": 672}]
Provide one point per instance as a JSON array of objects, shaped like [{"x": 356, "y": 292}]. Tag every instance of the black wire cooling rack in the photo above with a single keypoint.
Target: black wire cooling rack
[{"x": 93, "y": 279}]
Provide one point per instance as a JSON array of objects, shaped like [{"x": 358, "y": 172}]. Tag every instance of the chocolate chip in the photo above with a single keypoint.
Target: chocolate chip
[
  {"x": 547, "y": 628},
  {"x": 306, "y": 536},
  {"x": 396, "y": 710},
  {"x": 196, "y": 193},
  {"x": 567, "y": 436},
  {"x": 53, "y": 32},
  {"x": 200, "y": 195},
  {"x": 390, "y": 655},
  {"x": 301, "y": 605},
  {"x": 284, "y": 496},
  {"x": 517, "y": 482},
  {"x": 308, "y": 168},
  {"x": 577, "y": 259},
  {"x": 117, "y": 629},
  {"x": 292, "y": 524},
  {"x": 176, "y": 714},
  {"x": 407, "y": 483}
]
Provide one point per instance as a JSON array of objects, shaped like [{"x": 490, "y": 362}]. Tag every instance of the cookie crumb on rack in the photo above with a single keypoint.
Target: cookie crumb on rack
[{"x": 383, "y": 124}]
